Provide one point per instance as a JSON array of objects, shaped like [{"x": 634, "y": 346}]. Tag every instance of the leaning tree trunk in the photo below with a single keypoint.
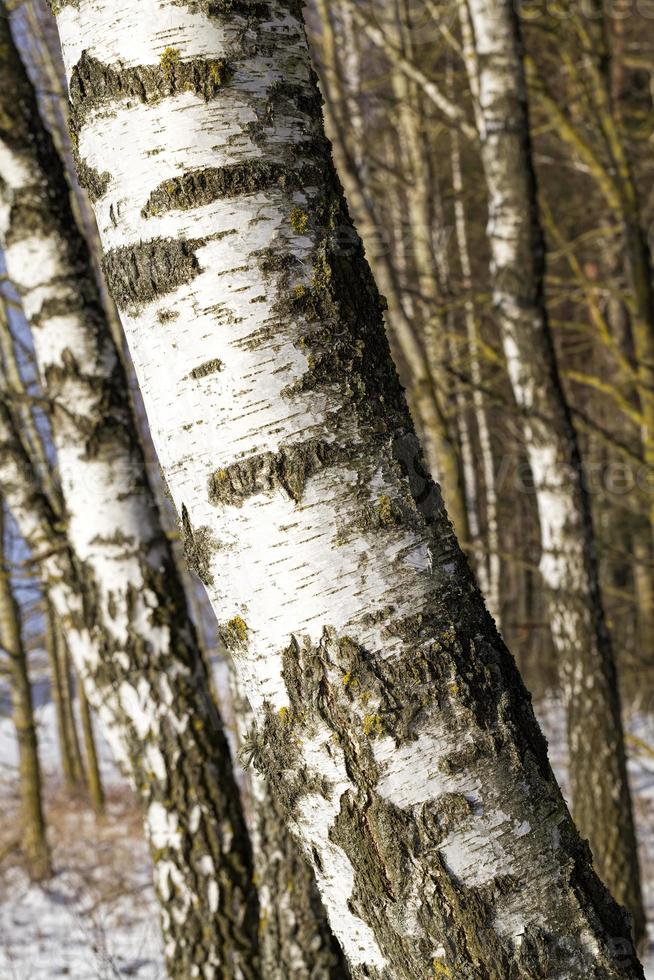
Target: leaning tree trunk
[
  {"x": 32, "y": 821},
  {"x": 148, "y": 668},
  {"x": 165, "y": 732},
  {"x": 598, "y": 772},
  {"x": 391, "y": 719}
]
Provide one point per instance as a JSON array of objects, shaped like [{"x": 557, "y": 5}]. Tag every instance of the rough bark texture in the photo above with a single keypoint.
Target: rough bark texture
[
  {"x": 145, "y": 671},
  {"x": 295, "y": 938},
  {"x": 599, "y": 786},
  {"x": 33, "y": 834},
  {"x": 391, "y": 719},
  {"x": 177, "y": 766}
]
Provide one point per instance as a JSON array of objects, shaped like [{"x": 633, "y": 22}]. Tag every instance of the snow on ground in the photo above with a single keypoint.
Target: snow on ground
[{"x": 97, "y": 918}]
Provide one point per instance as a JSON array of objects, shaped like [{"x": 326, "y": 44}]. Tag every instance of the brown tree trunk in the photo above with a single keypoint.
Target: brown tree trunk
[
  {"x": 60, "y": 702},
  {"x": 70, "y": 721},
  {"x": 32, "y": 821},
  {"x": 93, "y": 777}
]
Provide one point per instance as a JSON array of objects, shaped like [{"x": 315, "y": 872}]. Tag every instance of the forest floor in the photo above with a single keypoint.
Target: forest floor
[{"x": 97, "y": 919}]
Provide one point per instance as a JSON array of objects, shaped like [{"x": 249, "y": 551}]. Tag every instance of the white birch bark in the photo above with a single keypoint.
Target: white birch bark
[
  {"x": 143, "y": 665},
  {"x": 391, "y": 719},
  {"x": 600, "y": 790}
]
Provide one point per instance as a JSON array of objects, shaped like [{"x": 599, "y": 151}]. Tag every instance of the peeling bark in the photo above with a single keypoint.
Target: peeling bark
[{"x": 391, "y": 720}]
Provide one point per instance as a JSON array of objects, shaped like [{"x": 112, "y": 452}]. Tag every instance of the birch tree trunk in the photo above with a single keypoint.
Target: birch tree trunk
[
  {"x": 599, "y": 786},
  {"x": 391, "y": 719},
  {"x": 165, "y": 732},
  {"x": 34, "y": 841},
  {"x": 17, "y": 389},
  {"x": 147, "y": 666}
]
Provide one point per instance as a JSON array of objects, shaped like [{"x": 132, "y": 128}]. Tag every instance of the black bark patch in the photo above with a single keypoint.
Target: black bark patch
[
  {"x": 58, "y": 306},
  {"x": 94, "y": 83},
  {"x": 93, "y": 182},
  {"x": 238, "y": 8},
  {"x": 204, "y": 370},
  {"x": 289, "y": 468},
  {"x": 141, "y": 273},
  {"x": 198, "y": 187},
  {"x": 30, "y": 215},
  {"x": 306, "y": 100},
  {"x": 199, "y": 545},
  {"x": 224, "y": 9}
]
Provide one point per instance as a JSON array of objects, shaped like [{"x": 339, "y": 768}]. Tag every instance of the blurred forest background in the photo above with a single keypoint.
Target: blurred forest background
[{"x": 398, "y": 81}]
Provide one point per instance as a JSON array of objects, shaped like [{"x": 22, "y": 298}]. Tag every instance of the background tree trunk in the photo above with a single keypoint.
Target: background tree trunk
[
  {"x": 61, "y": 701},
  {"x": 65, "y": 669},
  {"x": 599, "y": 785},
  {"x": 93, "y": 777},
  {"x": 33, "y": 833},
  {"x": 441, "y": 452}
]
